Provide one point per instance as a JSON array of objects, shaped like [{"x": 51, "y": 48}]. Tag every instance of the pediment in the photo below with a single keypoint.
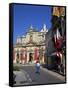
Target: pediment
[{"x": 31, "y": 43}]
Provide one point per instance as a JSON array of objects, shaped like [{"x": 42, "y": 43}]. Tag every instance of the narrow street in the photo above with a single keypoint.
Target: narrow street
[{"x": 45, "y": 76}]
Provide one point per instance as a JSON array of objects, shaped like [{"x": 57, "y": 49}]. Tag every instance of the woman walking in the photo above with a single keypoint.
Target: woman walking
[{"x": 37, "y": 67}]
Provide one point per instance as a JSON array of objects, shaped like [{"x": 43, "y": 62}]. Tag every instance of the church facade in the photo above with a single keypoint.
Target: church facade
[{"x": 31, "y": 47}]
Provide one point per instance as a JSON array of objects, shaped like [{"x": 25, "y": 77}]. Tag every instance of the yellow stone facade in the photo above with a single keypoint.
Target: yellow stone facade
[{"x": 31, "y": 47}]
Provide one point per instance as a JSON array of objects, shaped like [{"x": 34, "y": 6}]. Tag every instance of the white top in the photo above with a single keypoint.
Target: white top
[{"x": 38, "y": 64}]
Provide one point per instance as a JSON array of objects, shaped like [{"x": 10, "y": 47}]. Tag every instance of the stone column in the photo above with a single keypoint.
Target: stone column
[
  {"x": 14, "y": 57},
  {"x": 27, "y": 57}
]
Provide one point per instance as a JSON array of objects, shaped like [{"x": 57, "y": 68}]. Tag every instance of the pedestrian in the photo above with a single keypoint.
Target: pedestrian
[{"x": 37, "y": 67}]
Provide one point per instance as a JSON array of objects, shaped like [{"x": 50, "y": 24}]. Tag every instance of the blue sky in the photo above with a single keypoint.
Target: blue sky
[{"x": 26, "y": 15}]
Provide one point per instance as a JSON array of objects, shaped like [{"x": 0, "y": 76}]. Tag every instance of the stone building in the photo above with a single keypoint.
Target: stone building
[
  {"x": 55, "y": 39},
  {"x": 31, "y": 47},
  {"x": 49, "y": 49},
  {"x": 59, "y": 34}
]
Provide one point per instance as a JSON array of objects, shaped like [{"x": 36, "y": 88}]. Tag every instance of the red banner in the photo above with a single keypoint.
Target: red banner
[
  {"x": 21, "y": 54},
  {"x": 25, "y": 55},
  {"x": 36, "y": 55},
  {"x": 58, "y": 39}
]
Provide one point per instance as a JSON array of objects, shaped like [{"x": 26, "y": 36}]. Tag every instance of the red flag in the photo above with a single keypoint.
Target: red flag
[
  {"x": 25, "y": 55},
  {"x": 22, "y": 51},
  {"x": 58, "y": 39},
  {"x": 36, "y": 55}
]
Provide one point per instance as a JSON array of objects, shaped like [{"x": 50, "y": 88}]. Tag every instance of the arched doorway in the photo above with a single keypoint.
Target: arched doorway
[{"x": 30, "y": 57}]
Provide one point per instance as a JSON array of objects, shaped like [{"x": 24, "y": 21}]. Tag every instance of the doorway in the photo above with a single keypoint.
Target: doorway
[{"x": 30, "y": 57}]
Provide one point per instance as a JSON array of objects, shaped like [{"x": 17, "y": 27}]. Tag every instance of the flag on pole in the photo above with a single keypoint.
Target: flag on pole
[{"x": 58, "y": 39}]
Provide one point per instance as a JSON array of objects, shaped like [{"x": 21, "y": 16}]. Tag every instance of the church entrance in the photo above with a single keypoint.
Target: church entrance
[{"x": 30, "y": 57}]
